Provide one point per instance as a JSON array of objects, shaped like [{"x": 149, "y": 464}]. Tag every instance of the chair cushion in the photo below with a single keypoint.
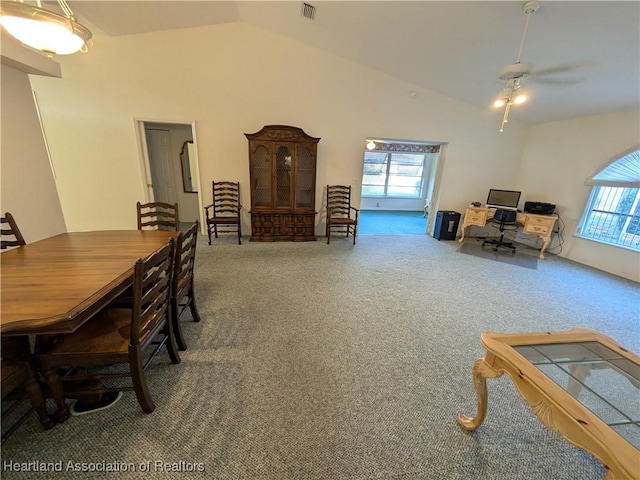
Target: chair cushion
[
  {"x": 223, "y": 219},
  {"x": 342, "y": 221}
]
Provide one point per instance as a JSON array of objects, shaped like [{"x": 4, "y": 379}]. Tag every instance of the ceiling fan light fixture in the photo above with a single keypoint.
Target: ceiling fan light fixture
[
  {"x": 520, "y": 97},
  {"x": 44, "y": 30},
  {"x": 512, "y": 94},
  {"x": 504, "y": 97}
]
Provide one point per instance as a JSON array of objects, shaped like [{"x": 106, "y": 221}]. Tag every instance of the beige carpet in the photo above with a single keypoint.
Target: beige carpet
[{"x": 332, "y": 362}]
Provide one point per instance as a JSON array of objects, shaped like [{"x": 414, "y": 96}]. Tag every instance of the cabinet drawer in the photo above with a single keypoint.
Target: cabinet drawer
[
  {"x": 541, "y": 221},
  {"x": 476, "y": 216},
  {"x": 536, "y": 229},
  {"x": 539, "y": 225},
  {"x": 475, "y": 219}
]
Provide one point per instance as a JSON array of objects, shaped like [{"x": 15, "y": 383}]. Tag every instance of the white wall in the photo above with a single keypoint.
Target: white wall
[
  {"x": 557, "y": 160},
  {"x": 234, "y": 79},
  {"x": 28, "y": 189}
]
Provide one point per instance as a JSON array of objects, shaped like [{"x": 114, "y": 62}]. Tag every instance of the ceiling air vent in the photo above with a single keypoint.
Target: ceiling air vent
[{"x": 308, "y": 10}]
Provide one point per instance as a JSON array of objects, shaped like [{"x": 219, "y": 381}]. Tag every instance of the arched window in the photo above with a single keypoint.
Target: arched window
[{"x": 612, "y": 214}]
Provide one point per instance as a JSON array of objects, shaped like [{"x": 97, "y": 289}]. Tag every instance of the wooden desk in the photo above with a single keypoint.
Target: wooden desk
[
  {"x": 55, "y": 285},
  {"x": 539, "y": 225},
  {"x": 550, "y": 370}
]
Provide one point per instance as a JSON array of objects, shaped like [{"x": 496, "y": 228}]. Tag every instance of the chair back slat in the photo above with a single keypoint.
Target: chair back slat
[
  {"x": 151, "y": 292},
  {"x": 158, "y": 215},
  {"x": 11, "y": 236},
  {"x": 226, "y": 199},
  {"x": 338, "y": 200}
]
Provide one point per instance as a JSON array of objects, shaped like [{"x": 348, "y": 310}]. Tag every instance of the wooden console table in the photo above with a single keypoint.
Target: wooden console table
[
  {"x": 533, "y": 224},
  {"x": 579, "y": 383}
]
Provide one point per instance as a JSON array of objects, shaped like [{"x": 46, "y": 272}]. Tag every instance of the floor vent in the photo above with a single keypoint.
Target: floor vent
[{"x": 308, "y": 10}]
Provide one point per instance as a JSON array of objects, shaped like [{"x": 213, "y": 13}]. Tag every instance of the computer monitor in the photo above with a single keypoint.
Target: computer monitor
[{"x": 506, "y": 199}]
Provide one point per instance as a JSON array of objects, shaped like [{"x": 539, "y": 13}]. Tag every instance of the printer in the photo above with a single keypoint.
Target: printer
[{"x": 540, "y": 208}]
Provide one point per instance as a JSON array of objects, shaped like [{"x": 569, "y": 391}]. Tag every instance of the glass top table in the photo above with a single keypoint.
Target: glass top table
[{"x": 579, "y": 383}]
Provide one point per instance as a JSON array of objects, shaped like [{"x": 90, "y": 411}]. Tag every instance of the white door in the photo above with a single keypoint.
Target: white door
[{"x": 162, "y": 174}]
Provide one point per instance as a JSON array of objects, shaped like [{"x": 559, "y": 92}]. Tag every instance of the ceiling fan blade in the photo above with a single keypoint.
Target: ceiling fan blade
[
  {"x": 556, "y": 81},
  {"x": 569, "y": 67}
]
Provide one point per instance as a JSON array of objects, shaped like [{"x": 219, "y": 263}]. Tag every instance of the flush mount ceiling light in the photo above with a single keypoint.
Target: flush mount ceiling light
[
  {"x": 512, "y": 94},
  {"x": 50, "y": 32}
]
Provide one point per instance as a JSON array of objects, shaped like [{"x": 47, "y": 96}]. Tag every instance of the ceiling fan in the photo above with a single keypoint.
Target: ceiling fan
[{"x": 513, "y": 93}]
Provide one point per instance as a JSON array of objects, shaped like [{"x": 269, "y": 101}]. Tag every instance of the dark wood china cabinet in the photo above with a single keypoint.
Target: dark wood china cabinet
[{"x": 282, "y": 170}]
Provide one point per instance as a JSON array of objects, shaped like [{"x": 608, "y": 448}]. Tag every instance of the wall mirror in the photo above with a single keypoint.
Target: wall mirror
[{"x": 185, "y": 162}]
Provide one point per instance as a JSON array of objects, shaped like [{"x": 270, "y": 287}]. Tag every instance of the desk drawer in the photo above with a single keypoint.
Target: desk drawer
[
  {"x": 536, "y": 229},
  {"x": 475, "y": 216},
  {"x": 475, "y": 219},
  {"x": 539, "y": 225}
]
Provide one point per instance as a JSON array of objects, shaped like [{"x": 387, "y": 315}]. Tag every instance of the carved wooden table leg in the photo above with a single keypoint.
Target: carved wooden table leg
[
  {"x": 545, "y": 243},
  {"x": 36, "y": 397},
  {"x": 481, "y": 371},
  {"x": 54, "y": 385}
]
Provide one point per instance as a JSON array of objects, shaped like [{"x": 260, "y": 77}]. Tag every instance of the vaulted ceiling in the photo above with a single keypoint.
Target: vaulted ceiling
[{"x": 589, "y": 50}]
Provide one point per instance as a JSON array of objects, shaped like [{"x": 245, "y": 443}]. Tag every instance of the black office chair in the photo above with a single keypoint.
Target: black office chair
[{"x": 502, "y": 218}]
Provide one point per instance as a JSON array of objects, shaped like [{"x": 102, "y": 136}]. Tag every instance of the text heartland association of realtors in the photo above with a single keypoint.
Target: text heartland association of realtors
[{"x": 105, "y": 466}]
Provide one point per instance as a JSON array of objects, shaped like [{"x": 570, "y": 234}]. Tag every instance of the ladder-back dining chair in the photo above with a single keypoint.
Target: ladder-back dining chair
[
  {"x": 158, "y": 215},
  {"x": 118, "y": 336},
  {"x": 340, "y": 214},
  {"x": 182, "y": 296},
  {"x": 223, "y": 215},
  {"x": 11, "y": 236}
]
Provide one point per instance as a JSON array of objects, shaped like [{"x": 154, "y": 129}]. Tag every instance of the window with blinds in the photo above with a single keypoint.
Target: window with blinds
[{"x": 612, "y": 214}]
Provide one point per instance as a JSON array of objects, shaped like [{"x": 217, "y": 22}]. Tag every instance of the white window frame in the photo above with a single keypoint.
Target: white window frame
[
  {"x": 612, "y": 213},
  {"x": 388, "y": 164}
]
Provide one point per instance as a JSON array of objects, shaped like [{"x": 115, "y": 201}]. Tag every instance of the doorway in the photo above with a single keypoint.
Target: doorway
[
  {"x": 398, "y": 186},
  {"x": 164, "y": 160}
]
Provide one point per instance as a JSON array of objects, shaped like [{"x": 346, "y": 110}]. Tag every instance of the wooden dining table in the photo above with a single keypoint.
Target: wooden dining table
[{"x": 54, "y": 285}]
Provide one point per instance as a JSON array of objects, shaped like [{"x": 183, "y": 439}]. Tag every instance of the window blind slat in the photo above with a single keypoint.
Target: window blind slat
[{"x": 623, "y": 172}]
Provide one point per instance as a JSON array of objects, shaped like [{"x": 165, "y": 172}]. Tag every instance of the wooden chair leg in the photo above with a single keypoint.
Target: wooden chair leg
[
  {"x": 328, "y": 234},
  {"x": 171, "y": 344},
  {"x": 192, "y": 306},
  {"x": 209, "y": 233},
  {"x": 177, "y": 329},
  {"x": 239, "y": 234},
  {"x": 140, "y": 380},
  {"x": 215, "y": 230}
]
